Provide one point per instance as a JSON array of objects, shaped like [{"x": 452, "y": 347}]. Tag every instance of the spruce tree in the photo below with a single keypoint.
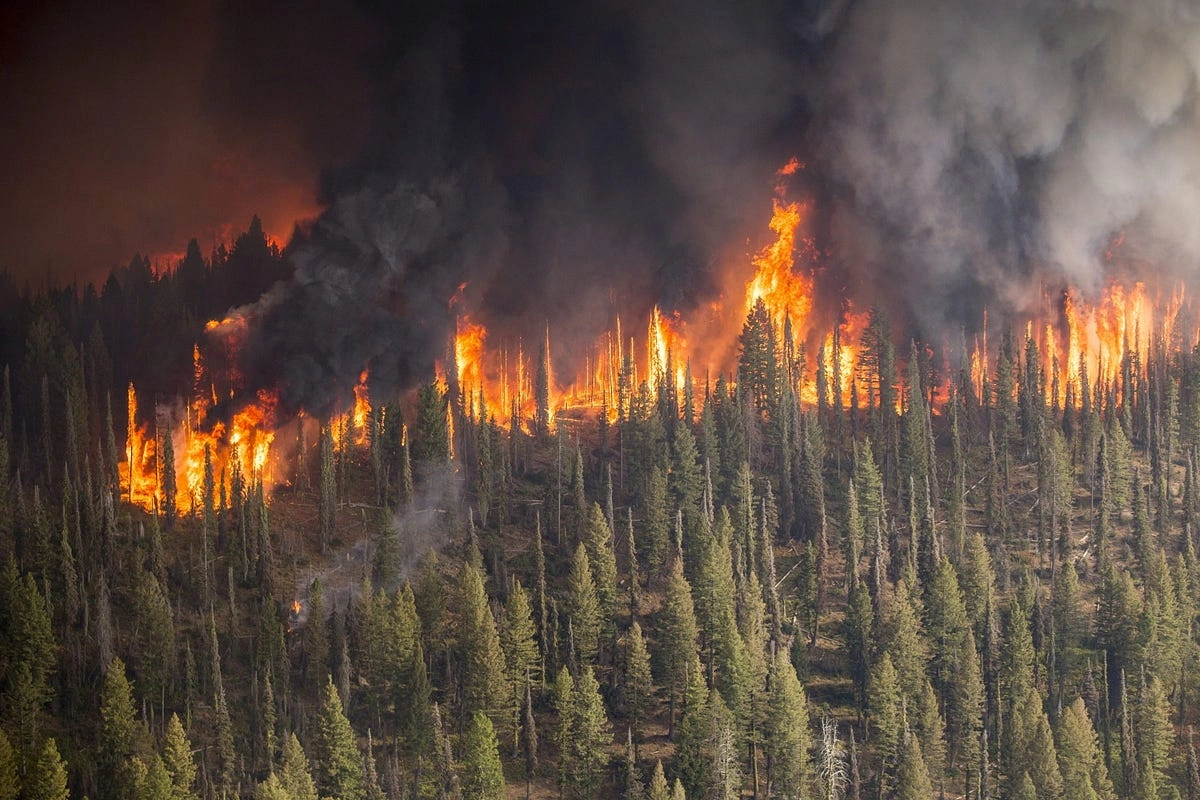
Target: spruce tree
[
  {"x": 1080, "y": 759},
  {"x": 294, "y": 772},
  {"x": 583, "y": 607},
  {"x": 517, "y": 642},
  {"x": 677, "y": 635},
  {"x": 788, "y": 739},
  {"x": 339, "y": 770},
  {"x": 637, "y": 687},
  {"x": 484, "y": 678},
  {"x": 590, "y": 735},
  {"x": 178, "y": 760},
  {"x": 483, "y": 776}
]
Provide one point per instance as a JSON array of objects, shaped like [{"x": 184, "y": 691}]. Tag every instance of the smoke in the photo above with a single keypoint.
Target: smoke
[
  {"x": 564, "y": 165},
  {"x": 975, "y": 149}
]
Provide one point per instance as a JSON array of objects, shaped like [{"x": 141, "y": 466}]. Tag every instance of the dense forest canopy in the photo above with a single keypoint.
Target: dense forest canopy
[{"x": 954, "y": 580}]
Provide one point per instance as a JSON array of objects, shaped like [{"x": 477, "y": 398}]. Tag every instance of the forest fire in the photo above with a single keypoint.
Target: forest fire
[{"x": 1082, "y": 344}]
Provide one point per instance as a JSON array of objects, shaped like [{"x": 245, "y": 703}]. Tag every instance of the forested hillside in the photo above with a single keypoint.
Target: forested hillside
[{"x": 973, "y": 581}]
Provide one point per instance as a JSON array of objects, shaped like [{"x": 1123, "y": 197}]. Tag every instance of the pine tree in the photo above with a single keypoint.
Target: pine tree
[
  {"x": 788, "y": 738},
  {"x": 339, "y": 770},
  {"x": 178, "y": 760},
  {"x": 583, "y": 607},
  {"x": 47, "y": 777},
  {"x": 591, "y": 733},
  {"x": 483, "y": 777},
  {"x": 637, "y": 688},
  {"x": 1085, "y": 776},
  {"x": 912, "y": 776},
  {"x": 659, "y": 789},
  {"x": 676, "y": 637},
  {"x": 484, "y": 679},
  {"x": 294, "y": 773}
]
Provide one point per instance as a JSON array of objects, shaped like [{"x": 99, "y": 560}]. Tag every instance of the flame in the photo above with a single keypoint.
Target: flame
[{"x": 362, "y": 408}]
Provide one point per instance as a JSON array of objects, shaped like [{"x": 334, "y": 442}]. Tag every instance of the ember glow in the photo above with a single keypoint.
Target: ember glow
[{"x": 1083, "y": 345}]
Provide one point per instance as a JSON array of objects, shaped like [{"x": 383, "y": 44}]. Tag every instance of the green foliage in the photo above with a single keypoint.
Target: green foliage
[
  {"x": 178, "y": 760},
  {"x": 47, "y": 778},
  {"x": 788, "y": 738},
  {"x": 484, "y": 678},
  {"x": 583, "y": 607},
  {"x": 483, "y": 776},
  {"x": 585, "y": 759},
  {"x": 339, "y": 766}
]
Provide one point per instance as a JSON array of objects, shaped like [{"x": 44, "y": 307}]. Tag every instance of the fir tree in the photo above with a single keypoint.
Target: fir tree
[
  {"x": 637, "y": 688},
  {"x": 339, "y": 770},
  {"x": 484, "y": 680},
  {"x": 583, "y": 607},
  {"x": 47, "y": 777},
  {"x": 590, "y": 734},
  {"x": 178, "y": 760},
  {"x": 676, "y": 637},
  {"x": 788, "y": 739},
  {"x": 294, "y": 775},
  {"x": 483, "y": 777}
]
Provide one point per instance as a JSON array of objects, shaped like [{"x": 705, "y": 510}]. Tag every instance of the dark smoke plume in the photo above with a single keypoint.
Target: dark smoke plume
[{"x": 566, "y": 163}]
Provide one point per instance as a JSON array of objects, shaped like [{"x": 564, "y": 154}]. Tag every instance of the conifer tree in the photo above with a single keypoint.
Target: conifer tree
[
  {"x": 602, "y": 559},
  {"x": 484, "y": 680},
  {"x": 657, "y": 524},
  {"x": 659, "y": 788},
  {"x": 590, "y": 734},
  {"x": 583, "y": 607},
  {"x": 912, "y": 776},
  {"x": 483, "y": 776},
  {"x": 788, "y": 739},
  {"x": 47, "y": 776},
  {"x": 10, "y": 782},
  {"x": 294, "y": 773},
  {"x": 637, "y": 689},
  {"x": 517, "y": 642},
  {"x": 327, "y": 493},
  {"x": 119, "y": 733},
  {"x": 1153, "y": 730},
  {"x": 676, "y": 637},
  {"x": 169, "y": 486},
  {"x": 692, "y": 762},
  {"x": 178, "y": 760},
  {"x": 886, "y": 715},
  {"x": 339, "y": 770},
  {"x": 1085, "y": 776},
  {"x": 316, "y": 638}
]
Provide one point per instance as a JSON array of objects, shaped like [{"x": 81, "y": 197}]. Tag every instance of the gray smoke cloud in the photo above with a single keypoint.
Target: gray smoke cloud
[
  {"x": 977, "y": 148},
  {"x": 568, "y": 164}
]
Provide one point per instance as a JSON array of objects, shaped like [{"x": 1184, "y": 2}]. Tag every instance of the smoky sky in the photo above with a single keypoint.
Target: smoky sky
[
  {"x": 567, "y": 162},
  {"x": 133, "y": 127}
]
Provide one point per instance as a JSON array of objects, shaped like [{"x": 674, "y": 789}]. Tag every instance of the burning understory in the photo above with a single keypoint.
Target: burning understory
[{"x": 231, "y": 432}]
